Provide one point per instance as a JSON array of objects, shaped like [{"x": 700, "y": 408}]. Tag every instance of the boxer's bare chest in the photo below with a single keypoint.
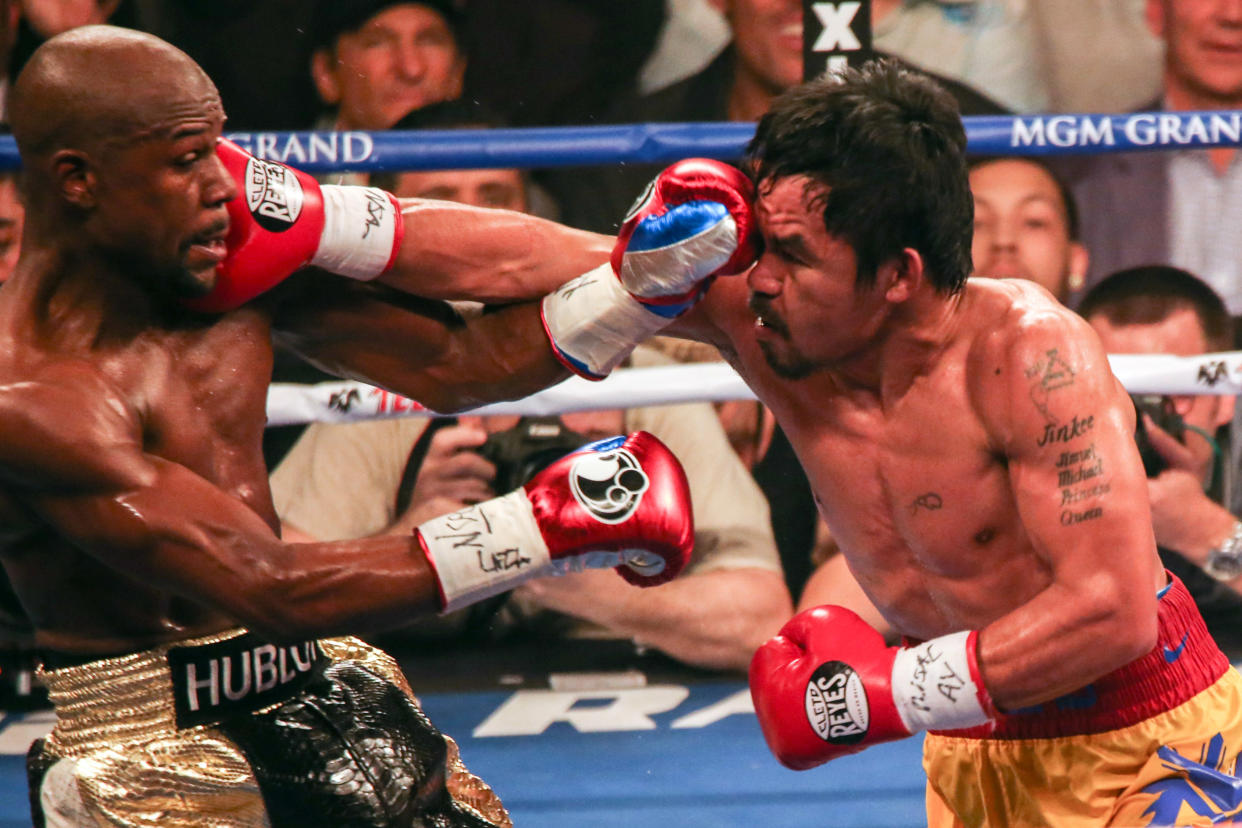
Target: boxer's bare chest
[
  {"x": 914, "y": 491},
  {"x": 199, "y": 395},
  {"x": 202, "y": 397}
]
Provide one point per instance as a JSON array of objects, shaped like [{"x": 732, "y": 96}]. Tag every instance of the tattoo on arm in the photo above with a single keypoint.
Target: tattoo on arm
[
  {"x": 1080, "y": 479},
  {"x": 1078, "y": 426},
  {"x": 1048, "y": 374},
  {"x": 929, "y": 501}
]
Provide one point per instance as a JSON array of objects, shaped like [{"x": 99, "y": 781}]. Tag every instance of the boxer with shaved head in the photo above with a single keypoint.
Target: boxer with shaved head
[{"x": 195, "y": 660}]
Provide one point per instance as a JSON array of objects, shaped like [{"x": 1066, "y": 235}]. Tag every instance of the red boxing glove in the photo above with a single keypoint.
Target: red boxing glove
[
  {"x": 621, "y": 503},
  {"x": 827, "y": 685},
  {"x": 693, "y": 223},
  {"x": 283, "y": 220}
]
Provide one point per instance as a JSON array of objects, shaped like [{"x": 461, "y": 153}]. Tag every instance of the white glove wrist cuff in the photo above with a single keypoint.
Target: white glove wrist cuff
[
  {"x": 937, "y": 685},
  {"x": 594, "y": 323},
  {"x": 359, "y": 231},
  {"x": 486, "y": 549}
]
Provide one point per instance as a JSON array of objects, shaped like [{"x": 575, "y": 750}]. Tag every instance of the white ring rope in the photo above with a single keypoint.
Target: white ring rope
[{"x": 338, "y": 402}]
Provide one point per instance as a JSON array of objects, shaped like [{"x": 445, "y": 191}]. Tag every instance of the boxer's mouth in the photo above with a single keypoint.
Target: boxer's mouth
[
  {"x": 209, "y": 245},
  {"x": 765, "y": 318}
]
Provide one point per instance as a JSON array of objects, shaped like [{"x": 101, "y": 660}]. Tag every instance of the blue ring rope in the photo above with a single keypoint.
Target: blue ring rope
[{"x": 1060, "y": 134}]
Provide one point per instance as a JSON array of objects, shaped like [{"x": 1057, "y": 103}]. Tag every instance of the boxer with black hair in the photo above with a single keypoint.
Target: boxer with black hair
[{"x": 974, "y": 457}]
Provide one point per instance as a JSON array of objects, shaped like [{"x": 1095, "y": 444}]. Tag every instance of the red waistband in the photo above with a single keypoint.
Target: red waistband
[{"x": 1184, "y": 662}]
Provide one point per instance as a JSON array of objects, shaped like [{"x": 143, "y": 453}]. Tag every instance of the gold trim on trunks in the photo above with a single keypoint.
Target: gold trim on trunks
[{"x": 116, "y": 720}]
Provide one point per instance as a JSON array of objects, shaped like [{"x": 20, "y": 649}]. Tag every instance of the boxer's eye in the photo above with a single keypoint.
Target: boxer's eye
[{"x": 187, "y": 159}]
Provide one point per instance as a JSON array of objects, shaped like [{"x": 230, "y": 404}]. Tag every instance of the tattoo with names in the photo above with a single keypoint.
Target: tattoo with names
[
  {"x": 1075, "y": 467},
  {"x": 1078, "y": 474},
  {"x": 1070, "y": 518},
  {"x": 1063, "y": 433}
]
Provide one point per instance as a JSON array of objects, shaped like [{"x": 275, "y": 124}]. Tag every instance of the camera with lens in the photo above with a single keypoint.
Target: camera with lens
[
  {"x": 528, "y": 448},
  {"x": 1162, "y": 412}
]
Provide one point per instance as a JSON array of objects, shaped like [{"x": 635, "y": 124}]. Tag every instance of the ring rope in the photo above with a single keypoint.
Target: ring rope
[
  {"x": 345, "y": 401},
  {"x": 1055, "y": 134}
]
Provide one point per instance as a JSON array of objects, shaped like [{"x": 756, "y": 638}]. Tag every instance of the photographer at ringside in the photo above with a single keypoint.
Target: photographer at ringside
[
  {"x": 1164, "y": 310},
  {"x": 385, "y": 476}
]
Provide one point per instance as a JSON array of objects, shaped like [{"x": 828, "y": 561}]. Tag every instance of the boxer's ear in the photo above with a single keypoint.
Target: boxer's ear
[
  {"x": 899, "y": 276},
  {"x": 74, "y": 177}
]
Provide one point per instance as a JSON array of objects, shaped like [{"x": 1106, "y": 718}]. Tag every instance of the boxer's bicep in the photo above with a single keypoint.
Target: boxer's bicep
[
  {"x": 181, "y": 534},
  {"x": 68, "y": 429},
  {"x": 721, "y": 318},
  {"x": 1076, "y": 475},
  {"x": 75, "y": 460},
  {"x": 170, "y": 528}
]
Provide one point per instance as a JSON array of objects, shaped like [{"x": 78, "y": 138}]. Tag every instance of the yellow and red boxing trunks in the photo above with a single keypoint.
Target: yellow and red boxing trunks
[
  {"x": 229, "y": 730},
  {"x": 1155, "y": 742}
]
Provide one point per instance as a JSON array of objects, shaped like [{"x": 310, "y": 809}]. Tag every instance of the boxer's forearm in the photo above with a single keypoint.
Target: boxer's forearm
[
  {"x": 325, "y": 589},
  {"x": 715, "y": 620},
  {"x": 423, "y": 351},
  {"x": 453, "y": 251},
  {"x": 500, "y": 356},
  {"x": 1065, "y": 637}
]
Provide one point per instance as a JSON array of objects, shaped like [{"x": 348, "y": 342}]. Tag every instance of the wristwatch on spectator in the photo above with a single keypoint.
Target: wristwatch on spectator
[{"x": 1224, "y": 563}]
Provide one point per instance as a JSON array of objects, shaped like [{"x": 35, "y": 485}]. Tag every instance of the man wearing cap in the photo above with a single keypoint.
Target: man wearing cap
[{"x": 376, "y": 60}]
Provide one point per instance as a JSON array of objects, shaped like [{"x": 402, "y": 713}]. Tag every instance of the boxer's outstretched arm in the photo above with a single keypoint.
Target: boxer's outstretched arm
[
  {"x": 695, "y": 224},
  {"x": 90, "y": 480},
  {"x": 426, "y": 248},
  {"x": 416, "y": 347},
  {"x": 1066, "y": 428},
  {"x": 455, "y": 251}
]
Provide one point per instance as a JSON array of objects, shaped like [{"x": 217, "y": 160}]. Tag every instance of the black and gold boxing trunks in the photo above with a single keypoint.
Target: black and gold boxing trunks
[{"x": 229, "y": 730}]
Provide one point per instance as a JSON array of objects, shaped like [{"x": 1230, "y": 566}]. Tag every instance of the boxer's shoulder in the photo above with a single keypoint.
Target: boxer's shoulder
[
  {"x": 65, "y": 425},
  {"x": 1012, "y": 324}
]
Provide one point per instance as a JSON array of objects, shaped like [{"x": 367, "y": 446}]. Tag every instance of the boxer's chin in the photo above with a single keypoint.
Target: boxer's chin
[
  {"x": 786, "y": 363},
  {"x": 191, "y": 283}
]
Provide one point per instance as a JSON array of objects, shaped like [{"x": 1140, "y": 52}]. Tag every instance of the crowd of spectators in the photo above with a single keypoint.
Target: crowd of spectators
[{"x": 1145, "y": 245}]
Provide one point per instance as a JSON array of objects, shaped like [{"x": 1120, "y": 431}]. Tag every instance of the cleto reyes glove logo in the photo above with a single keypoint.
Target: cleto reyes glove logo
[
  {"x": 836, "y": 704},
  {"x": 273, "y": 195},
  {"x": 608, "y": 484}
]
